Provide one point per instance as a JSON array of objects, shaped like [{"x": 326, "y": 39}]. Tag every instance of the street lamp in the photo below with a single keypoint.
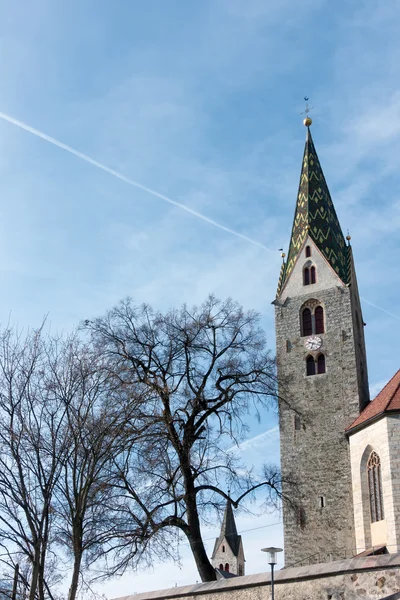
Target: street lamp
[{"x": 272, "y": 552}]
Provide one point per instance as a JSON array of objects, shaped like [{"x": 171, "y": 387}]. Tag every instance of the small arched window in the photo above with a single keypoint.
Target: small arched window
[
  {"x": 306, "y": 322},
  {"x": 321, "y": 364},
  {"x": 313, "y": 273},
  {"x": 375, "y": 487},
  {"x": 221, "y": 567},
  {"x": 310, "y": 362},
  {"x": 227, "y": 567},
  {"x": 319, "y": 320},
  {"x": 223, "y": 548},
  {"x": 308, "y": 251},
  {"x": 306, "y": 276}
]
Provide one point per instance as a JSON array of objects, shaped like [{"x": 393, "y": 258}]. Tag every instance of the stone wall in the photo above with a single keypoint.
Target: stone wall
[
  {"x": 317, "y": 454},
  {"x": 373, "y": 577},
  {"x": 383, "y": 437}
]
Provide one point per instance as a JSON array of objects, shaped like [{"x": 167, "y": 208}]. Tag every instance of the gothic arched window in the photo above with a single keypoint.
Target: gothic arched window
[
  {"x": 227, "y": 567},
  {"x": 319, "y": 320},
  {"x": 310, "y": 362},
  {"x": 223, "y": 548},
  {"x": 306, "y": 276},
  {"x": 306, "y": 322},
  {"x": 375, "y": 487},
  {"x": 313, "y": 273},
  {"x": 308, "y": 251},
  {"x": 321, "y": 364},
  {"x": 221, "y": 567}
]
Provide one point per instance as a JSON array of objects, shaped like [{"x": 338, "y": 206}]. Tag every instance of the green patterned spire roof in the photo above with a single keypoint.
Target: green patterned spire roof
[{"x": 315, "y": 216}]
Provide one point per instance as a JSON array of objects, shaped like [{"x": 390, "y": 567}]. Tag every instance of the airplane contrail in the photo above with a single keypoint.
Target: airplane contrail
[
  {"x": 135, "y": 184},
  {"x": 380, "y": 308},
  {"x": 144, "y": 188}
]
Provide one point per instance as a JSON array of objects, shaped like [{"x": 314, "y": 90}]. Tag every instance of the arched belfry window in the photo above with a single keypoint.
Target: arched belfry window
[
  {"x": 319, "y": 320},
  {"x": 313, "y": 274},
  {"x": 312, "y": 319},
  {"x": 308, "y": 251},
  {"x": 309, "y": 273},
  {"x": 221, "y": 567},
  {"x": 306, "y": 322},
  {"x": 375, "y": 487},
  {"x": 315, "y": 366},
  {"x": 227, "y": 567},
  {"x": 321, "y": 364},
  {"x": 310, "y": 362}
]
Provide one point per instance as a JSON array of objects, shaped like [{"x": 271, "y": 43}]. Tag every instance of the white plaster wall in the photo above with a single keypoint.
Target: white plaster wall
[
  {"x": 326, "y": 276},
  {"x": 383, "y": 437}
]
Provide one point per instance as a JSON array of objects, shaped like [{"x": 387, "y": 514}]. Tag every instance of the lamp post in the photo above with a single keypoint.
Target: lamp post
[{"x": 272, "y": 552}]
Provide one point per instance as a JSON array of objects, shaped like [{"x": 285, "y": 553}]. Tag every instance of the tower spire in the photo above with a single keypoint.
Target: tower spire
[
  {"x": 228, "y": 553},
  {"x": 315, "y": 216}
]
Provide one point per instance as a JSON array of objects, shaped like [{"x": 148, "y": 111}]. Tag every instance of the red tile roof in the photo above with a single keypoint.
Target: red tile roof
[{"x": 387, "y": 400}]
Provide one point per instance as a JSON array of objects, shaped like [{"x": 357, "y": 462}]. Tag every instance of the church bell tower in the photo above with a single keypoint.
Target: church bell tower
[{"x": 322, "y": 370}]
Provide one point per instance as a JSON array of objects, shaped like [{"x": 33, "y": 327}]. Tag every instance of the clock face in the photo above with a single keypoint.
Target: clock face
[{"x": 313, "y": 342}]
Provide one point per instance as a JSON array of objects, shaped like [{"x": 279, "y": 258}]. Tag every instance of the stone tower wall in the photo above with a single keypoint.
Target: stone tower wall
[
  {"x": 359, "y": 341},
  {"x": 316, "y": 456}
]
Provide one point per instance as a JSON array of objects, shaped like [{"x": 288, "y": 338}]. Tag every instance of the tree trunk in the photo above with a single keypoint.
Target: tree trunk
[
  {"x": 75, "y": 575},
  {"x": 204, "y": 567},
  {"x": 35, "y": 575}
]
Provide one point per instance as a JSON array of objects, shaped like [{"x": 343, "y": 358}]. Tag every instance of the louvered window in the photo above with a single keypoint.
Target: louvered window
[
  {"x": 319, "y": 320},
  {"x": 310, "y": 365},
  {"x": 313, "y": 275},
  {"x": 307, "y": 322},
  {"x": 321, "y": 364}
]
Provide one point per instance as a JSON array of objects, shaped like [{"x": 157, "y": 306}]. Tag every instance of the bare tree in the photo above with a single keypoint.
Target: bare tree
[
  {"x": 31, "y": 451},
  {"x": 201, "y": 371},
  {"x": 99, "y": 424}
]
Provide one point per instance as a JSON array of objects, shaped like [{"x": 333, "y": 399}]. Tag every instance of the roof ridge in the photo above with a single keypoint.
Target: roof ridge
[
  {"x": 387, "y": 400},
  {"x": 385, "y": 386}
]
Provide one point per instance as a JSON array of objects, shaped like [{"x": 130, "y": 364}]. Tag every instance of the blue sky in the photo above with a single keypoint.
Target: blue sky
[{"x": 201, "y": 102}]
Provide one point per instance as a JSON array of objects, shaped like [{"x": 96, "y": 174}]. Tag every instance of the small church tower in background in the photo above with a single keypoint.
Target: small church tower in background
[
  {"x": 322, "y": 370},
  {"x": 228, "y": 555}
]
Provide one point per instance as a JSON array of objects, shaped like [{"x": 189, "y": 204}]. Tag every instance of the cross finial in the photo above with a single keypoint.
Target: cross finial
[
  {"x": 307, "y": 121},
  {"x": 308, "y": 107}
]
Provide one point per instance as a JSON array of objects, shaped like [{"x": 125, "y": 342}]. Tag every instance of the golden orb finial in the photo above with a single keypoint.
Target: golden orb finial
[
  {"x": 283, "y": 255},
  {"x": 307, "y": 122}
]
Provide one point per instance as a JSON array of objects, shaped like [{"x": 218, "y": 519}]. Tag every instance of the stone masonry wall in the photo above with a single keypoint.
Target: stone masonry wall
[
  {"x": 317, "y": 455},
  {"x": 374, "y": 577}
]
